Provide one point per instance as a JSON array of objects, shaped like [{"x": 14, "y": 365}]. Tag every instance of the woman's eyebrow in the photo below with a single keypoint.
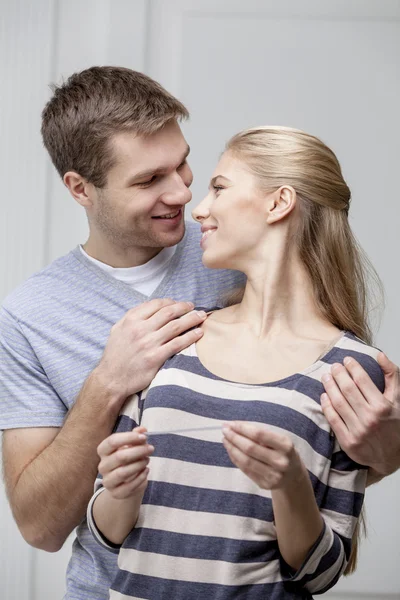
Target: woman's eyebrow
[{"x": 214, "y": 180}]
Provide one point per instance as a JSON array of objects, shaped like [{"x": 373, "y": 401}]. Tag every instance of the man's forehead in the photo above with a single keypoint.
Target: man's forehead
[{"x": 148, "y": 151}]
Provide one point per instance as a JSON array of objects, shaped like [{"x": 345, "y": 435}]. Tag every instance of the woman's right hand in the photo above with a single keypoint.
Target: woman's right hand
[{"x": 123, "y": 463}]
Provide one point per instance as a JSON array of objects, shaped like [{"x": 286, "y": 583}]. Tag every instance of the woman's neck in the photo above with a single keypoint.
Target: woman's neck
[{"x": 279, "y": 299}]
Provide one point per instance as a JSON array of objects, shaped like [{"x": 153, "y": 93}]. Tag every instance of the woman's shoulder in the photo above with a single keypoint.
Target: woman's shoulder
[{"x": 365, "y": 354}]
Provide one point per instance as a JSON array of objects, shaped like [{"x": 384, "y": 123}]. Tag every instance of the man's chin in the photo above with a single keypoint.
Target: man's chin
[{"x": 171, "y": 238}]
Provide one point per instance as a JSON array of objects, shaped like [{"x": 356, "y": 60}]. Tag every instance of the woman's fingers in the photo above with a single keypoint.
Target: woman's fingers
[
  {"x": 261, "y": 435},
  {"x": 126, "y": 489},
  {"x": 250, "y": 446},
  {"x": 116, "y": 440},
  {"x": 125, "y": 474},
  {"x": 125, "y": 456}
]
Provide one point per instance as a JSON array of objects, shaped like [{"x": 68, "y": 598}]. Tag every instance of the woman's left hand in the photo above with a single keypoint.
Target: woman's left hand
[{"x": 268, "y": 458}]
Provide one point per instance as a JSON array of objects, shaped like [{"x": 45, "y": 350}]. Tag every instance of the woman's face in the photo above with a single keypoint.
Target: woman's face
[{"x": 232, "y": 216}]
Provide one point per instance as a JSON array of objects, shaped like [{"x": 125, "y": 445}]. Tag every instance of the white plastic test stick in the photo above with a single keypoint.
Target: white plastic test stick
[{"x": 190, "y": 430}]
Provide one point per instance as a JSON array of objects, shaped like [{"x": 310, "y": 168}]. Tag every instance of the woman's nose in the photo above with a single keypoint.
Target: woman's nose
[{"x": 202, "y": 210}]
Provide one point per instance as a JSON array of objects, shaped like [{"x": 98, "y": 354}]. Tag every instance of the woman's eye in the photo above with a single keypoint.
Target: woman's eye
[{"x": 218, "y": 188}]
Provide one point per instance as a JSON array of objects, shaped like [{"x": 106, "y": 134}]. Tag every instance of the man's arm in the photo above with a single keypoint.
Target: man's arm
[
  {"x": 365, "y": 421},
  {"x": 49, "y": 472}
]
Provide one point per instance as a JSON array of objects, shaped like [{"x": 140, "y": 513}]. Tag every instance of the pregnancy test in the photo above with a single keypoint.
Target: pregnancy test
[{"x": 190, "y": 430}]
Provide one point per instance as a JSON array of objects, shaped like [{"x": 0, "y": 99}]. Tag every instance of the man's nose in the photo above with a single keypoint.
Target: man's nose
[{"x": 179, "y": 193}]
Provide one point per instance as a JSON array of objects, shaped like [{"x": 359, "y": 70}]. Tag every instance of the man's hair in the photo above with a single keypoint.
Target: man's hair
[{"x": 85, "y": 111}]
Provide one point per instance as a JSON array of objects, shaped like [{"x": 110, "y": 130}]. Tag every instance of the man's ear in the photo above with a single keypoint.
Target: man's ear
[
  {"x": 281, "y": 203},
  {"x": 79, "y": 188}
]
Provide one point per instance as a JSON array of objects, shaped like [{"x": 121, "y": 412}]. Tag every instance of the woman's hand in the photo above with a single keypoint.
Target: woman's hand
[
  {"x": 123, "y": 463},
  {"x": 267, "y": 457}
]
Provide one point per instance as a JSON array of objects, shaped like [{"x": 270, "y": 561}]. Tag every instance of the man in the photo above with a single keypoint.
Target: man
[{"x": 113, "y": 136}]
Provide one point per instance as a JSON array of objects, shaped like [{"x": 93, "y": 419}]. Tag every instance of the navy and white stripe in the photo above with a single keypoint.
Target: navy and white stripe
[{"x": 204, "y": 527}]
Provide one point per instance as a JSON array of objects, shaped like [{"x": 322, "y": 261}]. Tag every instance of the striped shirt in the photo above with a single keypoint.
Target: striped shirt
[
  {"x": 205, "y": 530},
  {"x": 53, "y": 329}
]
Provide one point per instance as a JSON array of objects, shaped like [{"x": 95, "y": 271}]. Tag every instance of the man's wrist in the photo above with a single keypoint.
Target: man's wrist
[{"x": 103, "y": 389}]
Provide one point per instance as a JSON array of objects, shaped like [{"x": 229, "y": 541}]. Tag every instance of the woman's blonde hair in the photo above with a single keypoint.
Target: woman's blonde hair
[{"x": 339, "y": 271}]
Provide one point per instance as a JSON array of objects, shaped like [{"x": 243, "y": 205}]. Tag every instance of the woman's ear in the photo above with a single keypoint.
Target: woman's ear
[
  {"x": 281, "y": 203},
  {"x": 79, "y": 188}
]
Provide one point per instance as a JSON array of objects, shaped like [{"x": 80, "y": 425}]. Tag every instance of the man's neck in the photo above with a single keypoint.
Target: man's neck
[{"x": 117, "y": 257}]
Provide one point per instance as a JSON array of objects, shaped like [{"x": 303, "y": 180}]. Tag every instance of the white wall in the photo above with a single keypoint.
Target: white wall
[{"x": 328, "y": 66}]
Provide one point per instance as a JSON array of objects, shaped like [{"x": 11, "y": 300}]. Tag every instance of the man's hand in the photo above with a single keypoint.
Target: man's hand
[
  {"x": 365, "y": 421},
  {"x": 143, "y": 340}
]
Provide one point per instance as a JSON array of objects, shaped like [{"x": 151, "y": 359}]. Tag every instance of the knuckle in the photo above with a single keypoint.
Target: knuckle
[
  {"x": 169, "y": 312},
  {"x": 258, "y": 436},
  {"x": 353, "y": 443},
  {"x": 384, "y": 410},
  {"x": 283, "y": 463},
  {"x": 338, "y": 403},
  {"x": 372, "y": 422},
  {"x": 347, "y": 387},
  {"x": 251, "y": 447},
  {"x": 247, "y": 462},
  {"x": 175, "y": 328}
]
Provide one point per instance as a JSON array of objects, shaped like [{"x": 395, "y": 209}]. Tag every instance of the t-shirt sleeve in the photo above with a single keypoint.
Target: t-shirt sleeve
[
  {"x": 128, "y": 419},
  {"x": 340, "y": 507},
  {"x": 27, "y": 398}
]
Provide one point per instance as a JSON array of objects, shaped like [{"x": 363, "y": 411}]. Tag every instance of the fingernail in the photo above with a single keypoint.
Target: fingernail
[
  {"x": 201, "y": 314},
  {"x": 198, "y": 331},
  {"x": 347, "y": 360},
  {"x": 326, "y": 378},
  {"x": 151, "y": 448},
  {"x": 190, "y": 304},
  {"x": 225, "y": 430},
  {"x": 141, "y": 436},
  {"x": 324, "y": 397}
]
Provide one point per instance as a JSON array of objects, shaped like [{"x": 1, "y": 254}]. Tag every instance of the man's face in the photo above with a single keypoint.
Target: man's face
[{"x": 142, "y": 204}]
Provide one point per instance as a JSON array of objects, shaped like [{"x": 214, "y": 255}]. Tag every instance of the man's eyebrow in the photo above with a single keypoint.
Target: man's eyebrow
[
  {"x": 214, "y": 180},
  {"x": 158, "y": 171}
]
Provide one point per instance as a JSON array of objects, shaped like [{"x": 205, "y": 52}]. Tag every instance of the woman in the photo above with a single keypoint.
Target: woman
[{"x": 268, "y": 509}]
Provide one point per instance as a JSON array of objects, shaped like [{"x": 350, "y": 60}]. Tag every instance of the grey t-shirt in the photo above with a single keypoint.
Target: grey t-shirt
[{"x": 53, "y": 329}]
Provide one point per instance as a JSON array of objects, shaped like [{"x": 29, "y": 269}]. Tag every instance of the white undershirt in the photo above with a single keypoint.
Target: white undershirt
[{"x": 144, "y": 278}]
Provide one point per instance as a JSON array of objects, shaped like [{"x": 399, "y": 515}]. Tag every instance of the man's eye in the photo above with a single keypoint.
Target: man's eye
[
  {"x": 147, "y": 183},
  {"x": 183, "y": 164},
  {"x": 218, "y": 188}
]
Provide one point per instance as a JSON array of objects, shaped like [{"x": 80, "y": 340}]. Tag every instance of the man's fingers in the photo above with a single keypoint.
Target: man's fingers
[
  {"x": 338, "y": 425},
  {"x": 353, "y": 381},
  {"x": 392, "y": 378},
  {"x": 167, "y": 314},
  {"x": 147, "y": 309},
  {"x": 357, "y": 387},
  {"x": 339, "y": 402},
  {"x": 179, "y": 343},
  {"x": 170, "y": 328},
  {"x": 387, "y": 366}
]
